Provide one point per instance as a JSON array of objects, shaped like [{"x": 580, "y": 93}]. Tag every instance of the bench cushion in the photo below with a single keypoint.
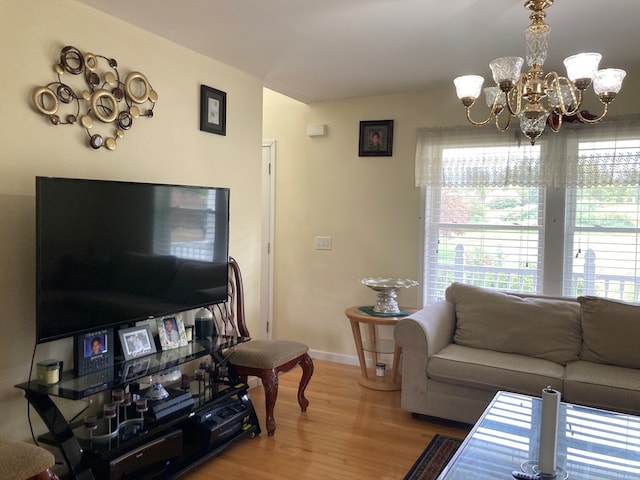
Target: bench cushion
[
  {"x": 266, "y": 353},
  {"x": 21, "y": 461}
]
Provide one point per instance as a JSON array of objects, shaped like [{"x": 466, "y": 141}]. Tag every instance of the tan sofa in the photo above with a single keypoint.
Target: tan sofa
[{"x": 457, "y": 353}]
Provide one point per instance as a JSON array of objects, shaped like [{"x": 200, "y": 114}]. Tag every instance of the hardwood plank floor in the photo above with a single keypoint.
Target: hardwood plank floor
[{"x": 348, "y": 432}]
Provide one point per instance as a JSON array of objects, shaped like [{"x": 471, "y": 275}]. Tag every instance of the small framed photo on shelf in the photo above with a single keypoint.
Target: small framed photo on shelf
[
  {"x": 376, "y": 138},
  {"x": 171, "y": 332},
  {"x": 213, "y": 110},
  {"x": 136, "y": 341},
  {"x": 93, "y": 351}
]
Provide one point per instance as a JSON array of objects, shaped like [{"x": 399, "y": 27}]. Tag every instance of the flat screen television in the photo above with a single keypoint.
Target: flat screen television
[{"x": 112, "y": 253}]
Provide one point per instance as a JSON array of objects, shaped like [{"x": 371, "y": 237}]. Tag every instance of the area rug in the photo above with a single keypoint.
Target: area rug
[{"x": 434, "y": 458}]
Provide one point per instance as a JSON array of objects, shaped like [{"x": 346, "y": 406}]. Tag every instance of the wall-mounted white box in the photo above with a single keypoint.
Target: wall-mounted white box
[{"x": 318, "y": 130}]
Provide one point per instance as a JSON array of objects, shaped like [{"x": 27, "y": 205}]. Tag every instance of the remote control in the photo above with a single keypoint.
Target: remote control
[{"x": 525, "y": 476}]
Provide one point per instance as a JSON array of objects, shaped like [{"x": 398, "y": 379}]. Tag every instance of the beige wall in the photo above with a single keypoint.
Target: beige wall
[
  {"x": 369, "y": 205},
  {"x": 168, "y": 148}
]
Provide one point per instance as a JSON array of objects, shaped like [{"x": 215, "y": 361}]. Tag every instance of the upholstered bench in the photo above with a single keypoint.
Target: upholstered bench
[{"x": 22, "y": 461}]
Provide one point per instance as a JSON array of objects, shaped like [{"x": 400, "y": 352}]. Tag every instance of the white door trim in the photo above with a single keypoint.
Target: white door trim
[{"x": 267, "y": 242}]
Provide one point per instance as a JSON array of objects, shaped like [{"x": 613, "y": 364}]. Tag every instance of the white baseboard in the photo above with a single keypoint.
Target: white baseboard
[{"x": 334, "y": 357}]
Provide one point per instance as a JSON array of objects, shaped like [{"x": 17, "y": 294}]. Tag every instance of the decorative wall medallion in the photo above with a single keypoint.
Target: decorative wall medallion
[{"x": 100, "y": 96}]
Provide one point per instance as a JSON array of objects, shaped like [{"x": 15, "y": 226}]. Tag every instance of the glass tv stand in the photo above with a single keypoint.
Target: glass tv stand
[{"x": 202, "y": 416}]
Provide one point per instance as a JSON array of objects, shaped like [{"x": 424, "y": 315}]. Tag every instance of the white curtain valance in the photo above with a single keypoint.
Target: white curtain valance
[{"x": 607, "y": 153}]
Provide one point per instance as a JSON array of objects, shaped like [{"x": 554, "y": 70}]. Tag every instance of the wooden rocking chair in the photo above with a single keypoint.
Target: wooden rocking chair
[{"x": 261, "y": 358}]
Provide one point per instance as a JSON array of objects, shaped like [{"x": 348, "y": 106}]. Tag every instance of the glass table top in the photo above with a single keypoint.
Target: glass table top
[{"x": 592, "y": 443}]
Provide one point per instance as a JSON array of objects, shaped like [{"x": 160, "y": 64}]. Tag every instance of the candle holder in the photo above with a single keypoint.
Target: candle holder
[
  {"x": 200, "y": 379},
  {"x": 117, "y": 397},
  {"x": 209, "y": 368},
  {"x": 126, "y": 403},
  {"x": 185, "y": 382},
  {"x": 109, "y": 412},
  {"x": 141, "y": 407},
  {"x": 91, "y": 423}
]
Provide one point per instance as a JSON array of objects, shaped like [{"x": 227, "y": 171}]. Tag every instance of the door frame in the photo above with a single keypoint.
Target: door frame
[{"x": 267, "y": 237}]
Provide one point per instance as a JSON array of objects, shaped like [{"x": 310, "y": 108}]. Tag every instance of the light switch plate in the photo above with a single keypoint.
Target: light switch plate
[{"x": 323, "y": 243}]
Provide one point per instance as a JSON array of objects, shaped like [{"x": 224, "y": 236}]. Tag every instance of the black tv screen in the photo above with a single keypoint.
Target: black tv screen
[{"x": 112, "y": 253}]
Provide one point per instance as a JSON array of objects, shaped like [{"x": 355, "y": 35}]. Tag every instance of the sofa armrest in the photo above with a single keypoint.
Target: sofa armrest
[
  {"x": 421, "y": 335},
  {"x": 428, "y": 330}
]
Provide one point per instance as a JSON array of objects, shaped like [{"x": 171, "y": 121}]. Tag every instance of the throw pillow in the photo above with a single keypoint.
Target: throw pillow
[
  {"x": 535, "y": 326},
  {"x": 611, "y": 332}
]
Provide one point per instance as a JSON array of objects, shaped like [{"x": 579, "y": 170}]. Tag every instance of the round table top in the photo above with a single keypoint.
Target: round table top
[{"x": 354, "y": 313}]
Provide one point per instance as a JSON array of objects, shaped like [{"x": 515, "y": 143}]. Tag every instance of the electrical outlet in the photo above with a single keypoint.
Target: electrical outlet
[{"x": 323, "y": 243}]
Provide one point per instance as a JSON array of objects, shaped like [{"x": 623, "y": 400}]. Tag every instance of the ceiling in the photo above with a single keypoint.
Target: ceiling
[{"x": 314, "y": 50}]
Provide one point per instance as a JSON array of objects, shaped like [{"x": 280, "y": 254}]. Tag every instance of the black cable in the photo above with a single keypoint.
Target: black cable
[{"x": 33, "y": 356}]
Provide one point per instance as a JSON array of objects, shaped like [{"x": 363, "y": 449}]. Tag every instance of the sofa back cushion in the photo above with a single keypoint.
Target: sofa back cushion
[
  {"x": 611, "y": 332},
  {"x": 535, "y": 326}
]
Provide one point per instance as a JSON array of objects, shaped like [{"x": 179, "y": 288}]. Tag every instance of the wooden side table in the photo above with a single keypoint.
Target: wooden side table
[{"x": 390, "y": 381}]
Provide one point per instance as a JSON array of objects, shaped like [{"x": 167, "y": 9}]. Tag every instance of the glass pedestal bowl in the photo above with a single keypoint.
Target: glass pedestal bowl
[{"x": 387, "y": 289}]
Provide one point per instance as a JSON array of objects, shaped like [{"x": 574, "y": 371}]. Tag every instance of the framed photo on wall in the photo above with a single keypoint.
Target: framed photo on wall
[
  {"x": 376, "y": 138},
  {"x": 213, "y": 110}
]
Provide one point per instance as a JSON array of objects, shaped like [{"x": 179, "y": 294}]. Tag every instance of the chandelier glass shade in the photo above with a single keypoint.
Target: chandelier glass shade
[{"x": 535, "y": 98}]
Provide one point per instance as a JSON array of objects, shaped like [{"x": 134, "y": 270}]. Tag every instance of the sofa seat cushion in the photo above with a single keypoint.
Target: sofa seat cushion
[
  {"x": 542, "y": 327},
  {"x": 611, "y": 330},
  {"x": 605, "y": 386},
  {"x": 489, "y": 370}
]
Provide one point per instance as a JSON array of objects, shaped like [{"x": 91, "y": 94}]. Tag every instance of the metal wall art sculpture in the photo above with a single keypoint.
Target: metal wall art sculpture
[{"x": 101, "y": 96}]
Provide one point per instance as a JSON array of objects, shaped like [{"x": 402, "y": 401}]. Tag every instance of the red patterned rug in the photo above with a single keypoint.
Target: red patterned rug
[{"x": 434, "y": 458}]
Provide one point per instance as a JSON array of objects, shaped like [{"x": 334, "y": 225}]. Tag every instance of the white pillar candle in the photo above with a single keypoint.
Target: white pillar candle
[{"x": 549, "y": 431}]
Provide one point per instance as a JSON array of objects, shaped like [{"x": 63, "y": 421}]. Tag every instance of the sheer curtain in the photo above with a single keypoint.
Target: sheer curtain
[
  {"x": 471, "y": 156},
  {"x": 561, "y": 217}
]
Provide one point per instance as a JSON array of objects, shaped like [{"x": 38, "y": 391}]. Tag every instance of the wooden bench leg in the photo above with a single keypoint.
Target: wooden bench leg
[
  {"x": 307, "y": 371},
  {"x": 270, "y": 383},
  {"x": 269, "y": 379}
]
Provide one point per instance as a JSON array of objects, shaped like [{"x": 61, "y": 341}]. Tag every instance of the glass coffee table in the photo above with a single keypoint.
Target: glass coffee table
[{"x": 592, "y": 443}]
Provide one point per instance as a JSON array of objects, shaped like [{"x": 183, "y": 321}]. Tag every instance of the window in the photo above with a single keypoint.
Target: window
[
  {"x": 602, "y": 231},
  {"x": 560, "y": 218}
]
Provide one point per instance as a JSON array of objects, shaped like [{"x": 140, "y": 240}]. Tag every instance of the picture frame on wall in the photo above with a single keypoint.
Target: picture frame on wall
[
  {"x": 213, "y": 110},
  {"x": 376, "y": 138},
  {"x": 171, "y": 332}
]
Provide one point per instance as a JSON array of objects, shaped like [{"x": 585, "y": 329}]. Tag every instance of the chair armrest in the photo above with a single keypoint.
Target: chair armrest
[{"x": 428, "y": 330}]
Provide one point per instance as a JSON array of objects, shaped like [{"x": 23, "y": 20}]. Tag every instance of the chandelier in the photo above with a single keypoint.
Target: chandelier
[{"x": 549, "y": 96}]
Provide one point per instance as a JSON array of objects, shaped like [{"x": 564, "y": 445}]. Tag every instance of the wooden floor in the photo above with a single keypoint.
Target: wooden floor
[{"x": 348, "y": 432}]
